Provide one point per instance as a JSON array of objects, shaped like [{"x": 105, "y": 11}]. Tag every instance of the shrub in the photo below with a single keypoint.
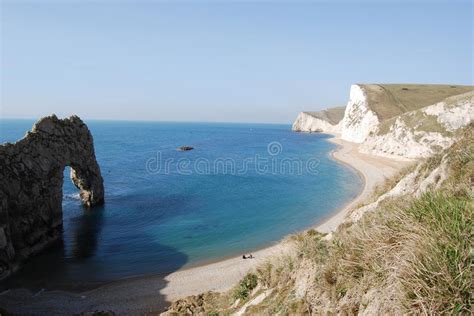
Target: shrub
[{"x": 245, "y": 286}]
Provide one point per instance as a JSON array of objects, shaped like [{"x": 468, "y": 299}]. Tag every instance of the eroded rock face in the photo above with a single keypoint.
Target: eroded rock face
[
  {"x": 31, "y": 181},
  {"x": 359, "y": 120},
  {"x": 423, "y": 132},
  {"x": 316, "y": 122}
]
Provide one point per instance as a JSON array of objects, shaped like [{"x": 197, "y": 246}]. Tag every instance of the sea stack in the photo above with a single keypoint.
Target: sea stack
[{"x": 31, "y": 182}]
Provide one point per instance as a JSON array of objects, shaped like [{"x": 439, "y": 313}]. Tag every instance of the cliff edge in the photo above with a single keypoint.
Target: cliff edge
[{"x": 325, "y": 121}]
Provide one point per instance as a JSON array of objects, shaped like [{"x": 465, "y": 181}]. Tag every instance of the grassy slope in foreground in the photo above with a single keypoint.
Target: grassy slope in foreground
[
  {"x": 390, "y": 100},
  {"x": 410, "y": 255}
]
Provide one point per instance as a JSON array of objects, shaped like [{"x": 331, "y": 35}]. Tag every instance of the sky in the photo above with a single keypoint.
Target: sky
[{"x": 239, "y": 61}]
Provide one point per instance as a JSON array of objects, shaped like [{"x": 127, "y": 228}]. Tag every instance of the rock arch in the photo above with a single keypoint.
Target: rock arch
[{"x": 31, "y": 181}]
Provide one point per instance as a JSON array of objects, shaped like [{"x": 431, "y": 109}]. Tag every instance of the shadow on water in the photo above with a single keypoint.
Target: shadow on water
[
  {"x": 51, "y": 283},
  {"x": 87, "y": 233}
]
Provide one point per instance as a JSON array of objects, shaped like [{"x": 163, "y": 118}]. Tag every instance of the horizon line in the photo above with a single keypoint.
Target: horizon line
[{"x": 145, "y": 120}]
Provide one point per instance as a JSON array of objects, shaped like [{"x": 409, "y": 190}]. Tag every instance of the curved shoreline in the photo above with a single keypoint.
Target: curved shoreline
[
  {"x": 318, "y": 225},
  {"x": 141, "y": 295}
]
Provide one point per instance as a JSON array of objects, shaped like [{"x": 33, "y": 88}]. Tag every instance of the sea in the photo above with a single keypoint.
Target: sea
[{"x": 243, "y": 187}]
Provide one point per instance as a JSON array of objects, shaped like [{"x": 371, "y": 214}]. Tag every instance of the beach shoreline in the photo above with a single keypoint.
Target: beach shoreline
[{"x": 136, "y": 296}]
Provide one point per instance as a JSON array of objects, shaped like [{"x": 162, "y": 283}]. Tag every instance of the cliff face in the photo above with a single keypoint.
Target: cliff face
[
  {"x": 423, "y": 132},
  {"x": 31, "y": 181},
  {"x": 398, "y": 121},
  {"x": 306, "y": 122},
  {"x": 325, "y": 121},
  {"x": 359, "y": 120}
]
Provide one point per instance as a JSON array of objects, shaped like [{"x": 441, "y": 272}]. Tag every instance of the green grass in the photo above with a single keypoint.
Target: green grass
[
  {"x": 423, "y": 122},
  {"x": 416, "y": 121},
  {"x": 245, "y": 286},
  {"x": 331, "y": 115},
  {"x": 437, "y": 277},
  {"x": 390, "y": 100}
]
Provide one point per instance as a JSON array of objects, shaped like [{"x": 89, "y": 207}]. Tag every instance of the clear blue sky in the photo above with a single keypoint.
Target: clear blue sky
[{"x": 210, "y": 61}]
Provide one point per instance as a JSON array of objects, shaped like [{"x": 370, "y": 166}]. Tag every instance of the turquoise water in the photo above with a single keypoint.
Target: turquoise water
[{"x": 243, "y": 187}]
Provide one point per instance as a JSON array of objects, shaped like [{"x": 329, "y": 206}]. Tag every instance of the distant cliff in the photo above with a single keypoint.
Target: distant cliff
[
  {"x": 31, "y": 182},
  {"x": 396, "y": 120},
  {"x": 323, "y": 121}
]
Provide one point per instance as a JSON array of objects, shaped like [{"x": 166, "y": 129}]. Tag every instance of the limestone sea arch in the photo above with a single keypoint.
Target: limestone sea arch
[{"x": 31, "y": 182}]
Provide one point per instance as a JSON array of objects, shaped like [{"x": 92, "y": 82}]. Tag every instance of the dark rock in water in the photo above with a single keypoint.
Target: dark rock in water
[
  {"x": 185, "y": 148},
  {"x": 31, "y": 184}
]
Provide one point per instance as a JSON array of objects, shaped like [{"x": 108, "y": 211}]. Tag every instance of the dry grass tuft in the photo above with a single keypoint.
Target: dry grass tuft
[{"x": 436, "y": 270}]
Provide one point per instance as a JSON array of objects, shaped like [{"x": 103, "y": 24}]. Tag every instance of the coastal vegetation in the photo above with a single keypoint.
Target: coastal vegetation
[
  {"x": 390, "y": 100},
  {"x": 416, "y": 121},
  {"x": 331, "y": 115},
  {"x": 410, "y": 254}
]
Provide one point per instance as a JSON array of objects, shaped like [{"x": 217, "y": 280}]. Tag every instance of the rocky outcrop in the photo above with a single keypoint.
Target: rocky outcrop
[
  {"x": 185, "y": 148},
  {"x": 423, "y": 132},
  {"x": 325, "y": 121},
  {"x": 31, "y": 181},
  {"x": 372, "y": 104}
]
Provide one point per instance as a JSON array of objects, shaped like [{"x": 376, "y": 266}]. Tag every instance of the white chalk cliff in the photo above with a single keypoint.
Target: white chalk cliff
[
  {"x": 423, "y": 132},
  {"x": 413, "y": 134},
  {"x": 359, "y": 120},
  {"x": 325, "y": 121},
  {"x": 305, "y": 122}
]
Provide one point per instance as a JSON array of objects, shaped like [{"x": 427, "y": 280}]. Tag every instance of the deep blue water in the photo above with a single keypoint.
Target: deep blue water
[{"x": 198, "y": 208}]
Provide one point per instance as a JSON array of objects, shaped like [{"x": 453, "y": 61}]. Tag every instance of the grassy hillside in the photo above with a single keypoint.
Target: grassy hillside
[
  {"x": 417, "y": 120},
  {"x": 332, "y": 115},
  {"x": 390, "y": 100},
  {"x": 411, "y": 255}
]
